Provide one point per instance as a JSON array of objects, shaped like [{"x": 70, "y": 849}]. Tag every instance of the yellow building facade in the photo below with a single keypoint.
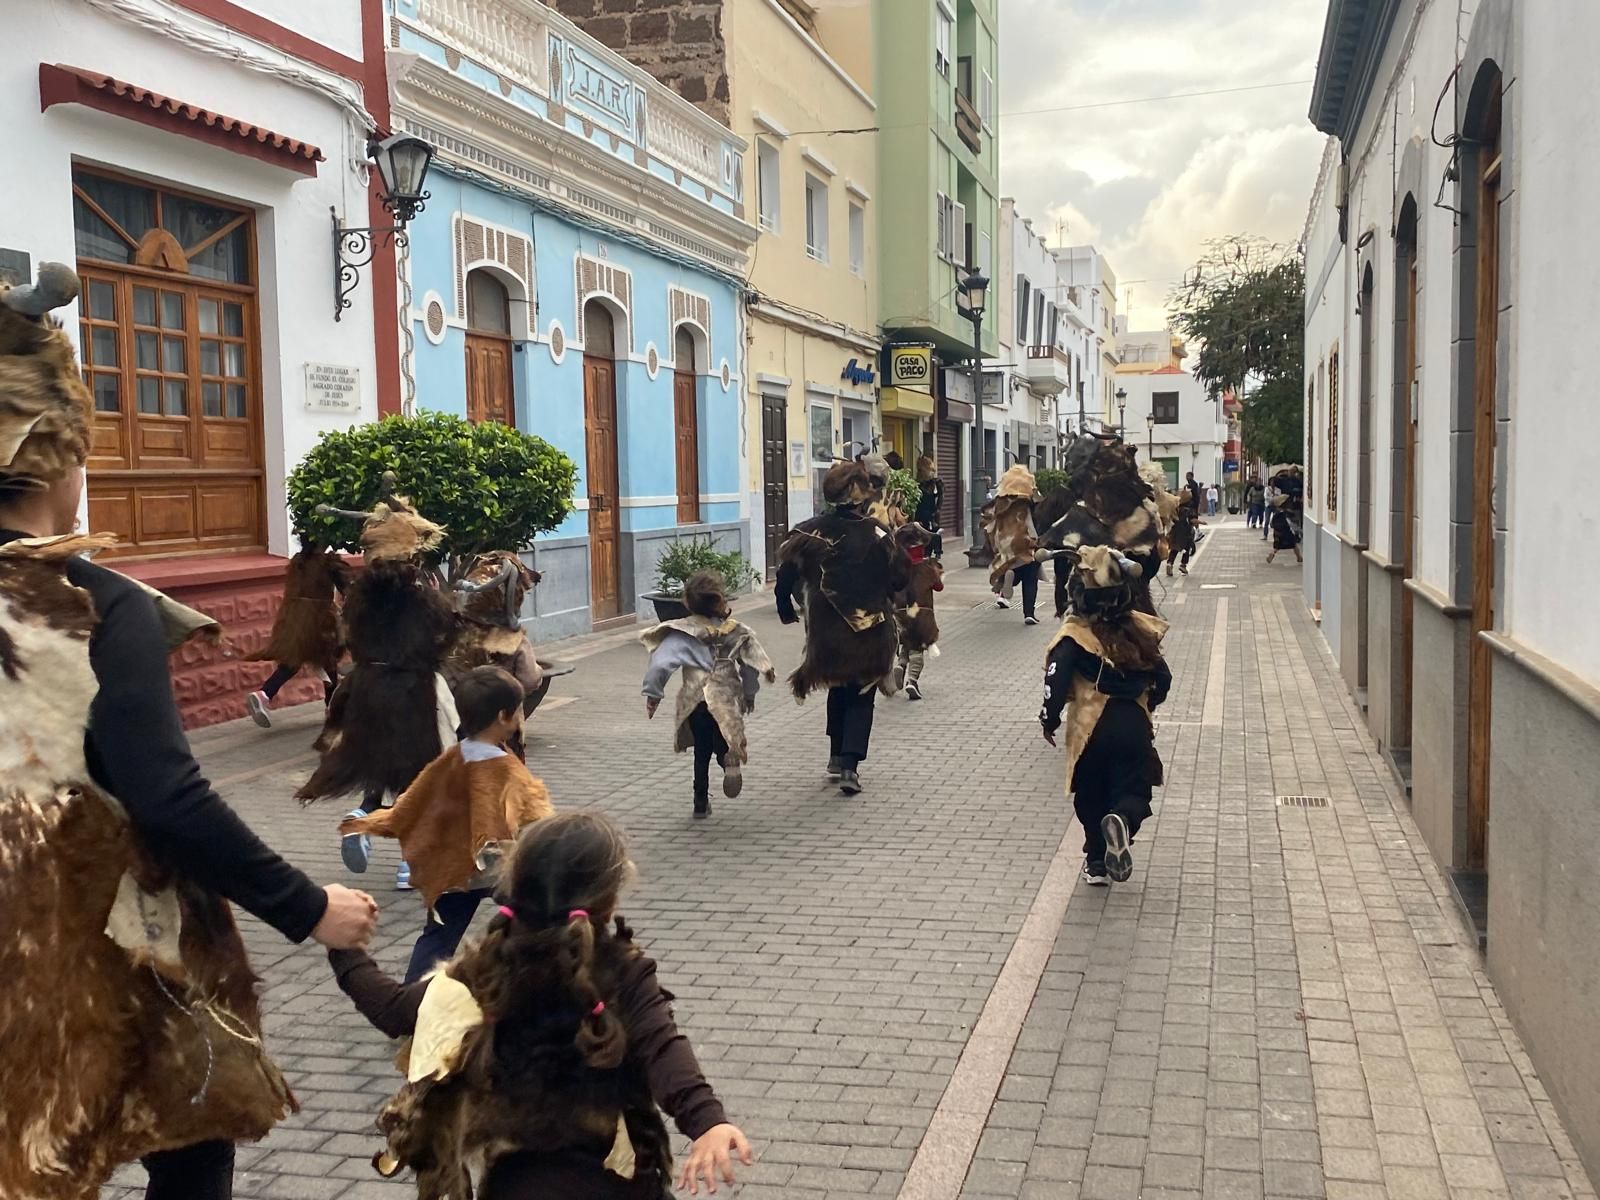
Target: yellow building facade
[{"x": 812, "y": 369}]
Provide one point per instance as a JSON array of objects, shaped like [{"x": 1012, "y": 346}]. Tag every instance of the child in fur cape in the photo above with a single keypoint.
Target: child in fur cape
[
  {"x": 913, "y": 609},
  {"x": 305, "y": 633},
  {"x": 723, "y": 665},
  {"x": 454, "y": 821},
  {"x": 1105, "y": 668}
]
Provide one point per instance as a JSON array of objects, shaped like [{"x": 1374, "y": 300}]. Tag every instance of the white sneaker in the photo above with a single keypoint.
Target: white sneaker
[
  {"x": 1095, "y": 878},
  {"x": 356, "y": 848},
  {"x": 1001, "y": 602},
  {"x": 1030, "y": 620},
  {"x": 1119, "y": 860},
  {"x": 402, "y": 877},
  {"x": 257, "y": 704}
]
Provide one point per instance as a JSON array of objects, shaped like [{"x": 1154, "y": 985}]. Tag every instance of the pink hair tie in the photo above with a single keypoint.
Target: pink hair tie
[
  {"x": 507, "y": 913},
  {"x": 599, "y": 1007},
  {"x": 577, "y": 914}
]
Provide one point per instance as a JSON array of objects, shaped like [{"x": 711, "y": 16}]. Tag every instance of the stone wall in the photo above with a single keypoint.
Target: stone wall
[{"x": 680, "y": 42}]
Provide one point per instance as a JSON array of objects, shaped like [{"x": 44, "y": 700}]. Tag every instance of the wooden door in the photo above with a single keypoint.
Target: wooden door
[
  {"x": 774, "y": 476},
  {"x": 1483, "y": 487},
  {"x": 490, "y": 392},
  {"x": 1408, "y": 512},
  {"x": 600, "y": 425},
  {"x": 686, "y": 423}
]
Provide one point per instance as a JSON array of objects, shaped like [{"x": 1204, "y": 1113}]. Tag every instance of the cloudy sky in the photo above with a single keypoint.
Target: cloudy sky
[{"x": 1148, "y": 183}]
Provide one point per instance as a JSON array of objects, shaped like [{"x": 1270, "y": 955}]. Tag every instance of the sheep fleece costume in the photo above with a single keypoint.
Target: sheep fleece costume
[
  {"x": 129, "y": 1021},
  {"x": 1009, "y": 524},
  {"x": 733, "y": 650},
  {"x": 305, "y": 633},
  {"x": 850, "y": 567}
]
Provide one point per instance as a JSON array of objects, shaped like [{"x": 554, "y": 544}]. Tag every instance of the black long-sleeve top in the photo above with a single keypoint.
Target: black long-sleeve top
[
  {"x": 645, "y": 1007},
  {"x": 137, "y": 751},
  {"x": 1068, "y": 658}
]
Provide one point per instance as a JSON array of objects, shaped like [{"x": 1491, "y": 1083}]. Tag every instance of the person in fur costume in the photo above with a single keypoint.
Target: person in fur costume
[
  {"x": 927, "y": 513},
  {"x": 393, "y": 713},
  {"x": 455, "y": 821},
  {"x": 305, "y": 633},
  {"x": 723, "y": 666},
  {"x": 1008, "y": 526},
  {"x": 544, "y": 1055},
  {"x": 1183, "y": 536},
  {"x": 1105, "y": 669},
  {"x": 913, "y": 609},
  {"x": 130, "y": 1025},
  {"x": 847, "y": 569},
  {"x": 1284, "y": 534},
  {"x": 490, "y": 595}
]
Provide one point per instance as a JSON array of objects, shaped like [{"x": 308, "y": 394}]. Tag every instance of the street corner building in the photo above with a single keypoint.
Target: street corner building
[
  {"x": 578, "y": 273},
  {"x": 1445, "y": 428}
]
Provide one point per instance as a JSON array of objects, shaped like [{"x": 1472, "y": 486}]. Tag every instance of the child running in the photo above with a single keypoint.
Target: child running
[
  {"x": 1105, "y": 668},
  {"x": 723, "y": 665},
  {"x": 545, "y": 1049},
  {"x": 913, "y": 609},
  {"x": 464, "y": 807}
]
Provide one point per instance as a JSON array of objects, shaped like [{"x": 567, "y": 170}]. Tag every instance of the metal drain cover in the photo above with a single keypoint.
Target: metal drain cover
[{"x": 1302, "y": 801}]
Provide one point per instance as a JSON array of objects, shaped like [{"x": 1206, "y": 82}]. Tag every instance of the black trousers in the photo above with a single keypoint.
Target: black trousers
[
  {"x": 203, "y": 1171},
  {"x": 1113, "y": 774},
  {"x": 708, "y": 744},
  {"x": 850, "y": 712},
  {"x": 1185, "y": 551},
  {"x": 440, "y": 939},
  {"x": 1028, "y": 577},
  {"x": 282, "y": 675}
]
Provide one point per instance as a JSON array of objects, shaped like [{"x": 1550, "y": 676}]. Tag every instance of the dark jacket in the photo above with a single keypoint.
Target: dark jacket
[
  {"x": 1068, "y": 658},
  {"x": 137, "y": 751},
  {"x": 927, "y": 514}
]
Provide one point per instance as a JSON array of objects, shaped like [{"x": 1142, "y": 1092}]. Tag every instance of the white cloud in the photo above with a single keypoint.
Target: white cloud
[{"x": 1148, "y": 183}]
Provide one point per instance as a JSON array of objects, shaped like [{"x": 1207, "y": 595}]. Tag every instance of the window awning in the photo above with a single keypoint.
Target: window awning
[
  {"x": 905, "y": 402},
  {"x": 61, "y": 84}
]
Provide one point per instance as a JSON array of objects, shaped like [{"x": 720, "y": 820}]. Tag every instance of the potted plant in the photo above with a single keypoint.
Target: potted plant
[{"x": 684, "y": 557}]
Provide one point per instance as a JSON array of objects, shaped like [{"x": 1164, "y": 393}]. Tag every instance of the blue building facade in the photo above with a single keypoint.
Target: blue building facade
[{"x": 578, "y": 272}]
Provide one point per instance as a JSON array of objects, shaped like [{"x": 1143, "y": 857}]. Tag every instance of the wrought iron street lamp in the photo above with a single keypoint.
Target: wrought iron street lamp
[
  {"x": 974, "y": 292},
  {"x": 1122, "y": 405},
  {"x": 1150, "y": 424},
  {"x": 402, "y": 162}
]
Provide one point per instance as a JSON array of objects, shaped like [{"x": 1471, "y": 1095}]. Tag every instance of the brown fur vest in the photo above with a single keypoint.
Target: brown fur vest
[
  {"x": 305, "y": 633},
  {"x": 918, "y": 628},
  {"x": 733, "y": 648},
  {"x": 851, "y": 568},
  {"x": 129, "y": 1021}
]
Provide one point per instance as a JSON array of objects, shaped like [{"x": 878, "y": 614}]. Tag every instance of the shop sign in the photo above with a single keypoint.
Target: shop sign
[
  {"x": 857, "y": 374},
  {"x": 333, "y": 389},
  {"x": 911, "y": 367}
]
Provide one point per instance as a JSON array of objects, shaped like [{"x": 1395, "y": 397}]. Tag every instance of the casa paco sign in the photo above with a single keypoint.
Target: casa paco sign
[{"x": 910, "y": 367}]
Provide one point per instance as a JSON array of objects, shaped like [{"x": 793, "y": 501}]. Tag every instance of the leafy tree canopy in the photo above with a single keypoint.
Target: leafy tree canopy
[
  {"x": 1243, "y": 305},
  {"x": 491, "y": 486}
]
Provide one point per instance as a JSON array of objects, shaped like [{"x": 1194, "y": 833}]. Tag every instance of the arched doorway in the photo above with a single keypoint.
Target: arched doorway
[
  {"x": 491, "y": 394},
  {"x": 686, "y": 424},
  {"x": 1403, "y": 437},
  {"x": 600, "y": 428},
  {"x": 1483, "y": 128}
]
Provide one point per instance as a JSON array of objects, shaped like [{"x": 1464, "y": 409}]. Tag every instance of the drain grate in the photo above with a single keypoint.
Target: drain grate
[{"x": 1302, "y": 802}]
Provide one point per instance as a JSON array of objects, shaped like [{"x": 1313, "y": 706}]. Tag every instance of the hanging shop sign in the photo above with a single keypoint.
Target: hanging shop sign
[{"x": 911, "y": 367}]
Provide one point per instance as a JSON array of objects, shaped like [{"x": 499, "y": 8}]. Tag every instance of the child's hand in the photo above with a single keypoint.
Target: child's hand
[
  {"x": 712, "y": 1155},
  {"x": 651, "y": 703}
]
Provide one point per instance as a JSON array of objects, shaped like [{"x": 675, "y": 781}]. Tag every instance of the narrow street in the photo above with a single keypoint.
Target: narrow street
[{"x": 910, "y": 994}]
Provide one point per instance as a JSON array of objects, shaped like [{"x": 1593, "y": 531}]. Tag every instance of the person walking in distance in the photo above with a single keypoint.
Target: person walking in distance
[
  {"x": 1254, "y": 503},
  {"x": 1104, "y": 672},
  {"x": 1284, "y": 536},
  {"x": 847, "y": 570},
  {"x": 1211, "y": 499}
]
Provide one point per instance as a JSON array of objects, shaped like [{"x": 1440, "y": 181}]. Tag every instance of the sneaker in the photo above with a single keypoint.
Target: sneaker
[
  {"x": 1169, "y": 570},
  {"x": 899, "y": 676},
  {"x": 849, "y": 783},
  {"x": 913, "y": 692},
  {"x": 257, "y": 704},
  {"x": 1182, "y": 570},
  {"x": 1094, "y": 874},
  {"x": 834, "y": 769},
  {"x": 402, "y": 877},
  {"x": 732, "y": 780},
  {"x": 702, "y": 809},
  {"x": 1030, "y": 620},
  {"x": 356, "y": 848},
  {"x": 1001, "y": 602},
  {"x": 1119, "y": 861}
]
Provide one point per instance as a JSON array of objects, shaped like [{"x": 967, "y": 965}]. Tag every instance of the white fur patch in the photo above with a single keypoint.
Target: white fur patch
[{"x": 43, "y": 712}]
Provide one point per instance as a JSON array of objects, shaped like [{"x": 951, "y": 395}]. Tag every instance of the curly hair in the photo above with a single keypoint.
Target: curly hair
[
  {"x": 705, "y": 594},
  {"x": 548, "y": 1068}
]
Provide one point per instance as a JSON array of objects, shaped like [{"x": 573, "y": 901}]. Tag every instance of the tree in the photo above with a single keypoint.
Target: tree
[
  {"x": 490, "y": 486},
  {"x": 1244, "y": 305}
]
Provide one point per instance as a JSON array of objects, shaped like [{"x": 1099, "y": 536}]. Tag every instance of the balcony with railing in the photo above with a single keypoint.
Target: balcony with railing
[
  {"x": 1047, "y": 370},
  {"x": 522, "y": 53}
]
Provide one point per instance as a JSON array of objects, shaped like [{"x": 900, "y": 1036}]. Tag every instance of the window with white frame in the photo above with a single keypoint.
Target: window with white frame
[
  {"x": 942, "y": 207},
  {"x": 985, "y": 253},
  {"x": 986, "y": 100},
  {"x": 858, "y": 238},
  {"x": 944, "y": 24},
  {"x": 816, "y": 218},
  {"x": 768, "y": 188},
  {"x": 960, "y": 234}
]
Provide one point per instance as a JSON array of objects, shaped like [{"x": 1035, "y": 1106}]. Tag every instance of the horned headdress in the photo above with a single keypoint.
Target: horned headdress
[{"x": 44, "y": 405}]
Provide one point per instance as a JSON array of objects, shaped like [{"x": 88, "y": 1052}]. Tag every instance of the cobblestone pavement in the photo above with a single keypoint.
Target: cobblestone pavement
[{"x": 908, "y": 994}]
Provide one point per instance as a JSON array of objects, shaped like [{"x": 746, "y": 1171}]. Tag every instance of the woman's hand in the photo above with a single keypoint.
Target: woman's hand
[{"x": 711, "y": 1156}]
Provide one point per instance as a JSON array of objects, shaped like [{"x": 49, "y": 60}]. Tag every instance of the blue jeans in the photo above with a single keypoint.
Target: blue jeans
[{"x": 439, "y": 939}]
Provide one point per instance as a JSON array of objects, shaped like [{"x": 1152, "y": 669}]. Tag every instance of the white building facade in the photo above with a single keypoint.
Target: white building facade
[
  {"x": 1090, "y": 286},
  {"x": 1035, "y": 362},
  {"x": 1449, "y": 438},
  {"x": 1186, "y": 434}
]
